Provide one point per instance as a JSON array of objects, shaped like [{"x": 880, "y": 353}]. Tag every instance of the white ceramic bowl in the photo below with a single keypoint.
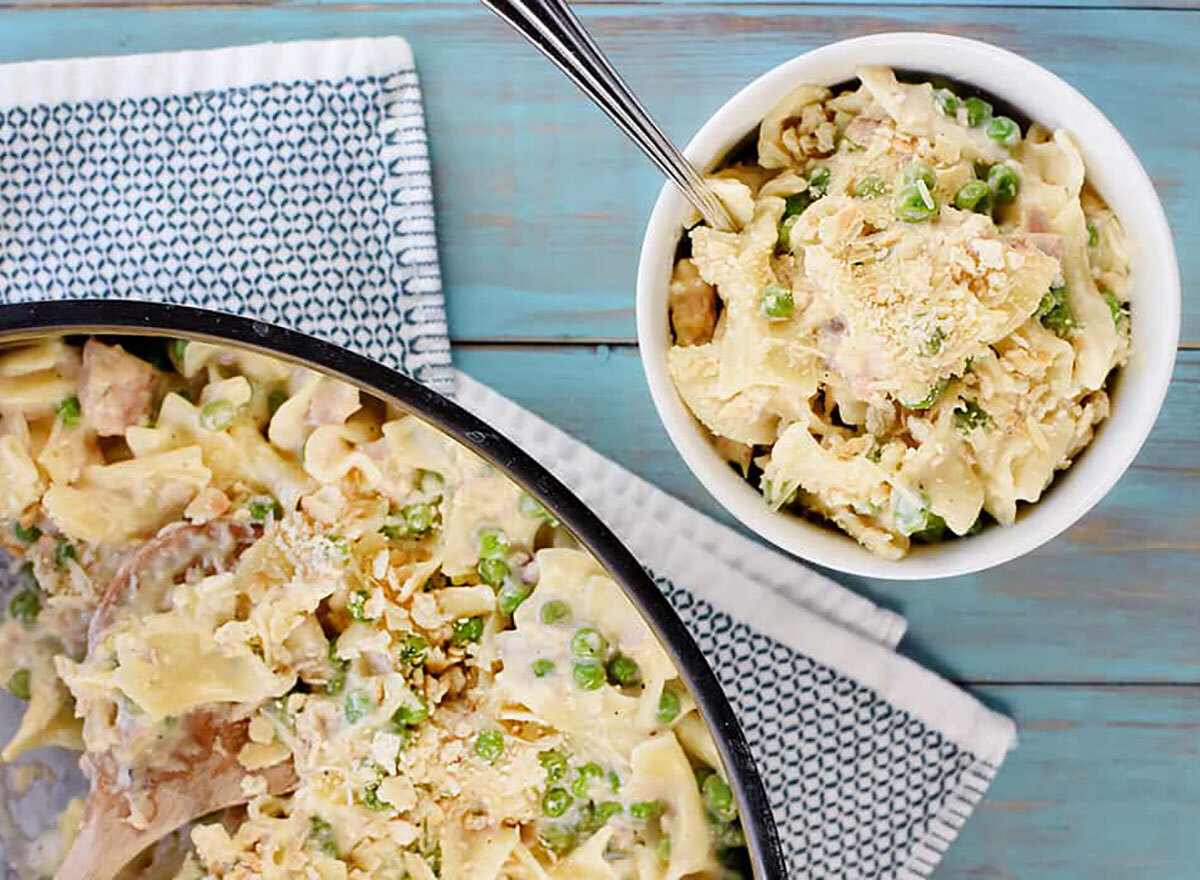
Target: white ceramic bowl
[{"x": 1112, "y": 168}]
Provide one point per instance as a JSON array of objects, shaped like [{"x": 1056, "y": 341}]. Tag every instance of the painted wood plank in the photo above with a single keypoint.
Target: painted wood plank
[
  {"x": 1102, "y": 786},
  {"x": 542, "y": 202},
  {"x": 1114, "y": 599}
]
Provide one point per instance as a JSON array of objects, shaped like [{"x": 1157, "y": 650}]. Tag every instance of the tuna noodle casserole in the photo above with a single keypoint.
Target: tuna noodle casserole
[
  {"x": 408, "y": 667},
  {"x": 914, "y": 328}
]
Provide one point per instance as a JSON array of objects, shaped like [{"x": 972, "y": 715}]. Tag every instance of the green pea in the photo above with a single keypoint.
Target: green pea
[
  {"x": 972, "y": 196},
  {"x": 175, "y": 350},
  {"x": 914, "y": 204},
  {"x": 555, "y": 801},
  {"x": 69, "y": 411},
  {"x": 818, "y": 183},
  {"x": 557, "y": 837},
  {"x": 356, "y": 604},
  {"x": 512, "y": 595},
  {"x": 493, "y": 572},
  {"x": 719, "y": 797},
  {"x": 668, "y": 706},
  {"x": 1055, "y": 312},
  {"x": 556, "y": 611},
  {"x": 63, "y": 551},
  {"x": 932, "y": 343},
  {"x": 1093, "y": 235},
  {"x": 910, "y": 512},
  {"x": 777, "y": 302},
  {"x": 418, "y": 518},
  {"x": 871, "y": 187},
  {"x": 217, "y": 415},
  {"x": 25, "y": 606},
  {"x": 493, "y": 543},
  {"x": 263, "y": 506},
  {"x": 542, "y": 667},
  {"x": 275, "y": 399},
  {"x": 624, "y": 671},
  {"x": 20, "y": 685},
  {"x": 978, "y": 110},
  {"x": 644, "y": 811},
  {"x": 321, "y": 833},
  {"x": 466, "y": 631},
  {"x": 554, "y": 763},
  {"x": 1003, "y": 183},
  {"x": 26, "y": 576},
  {"x": 588, "y": 675},
  {"x": 588, "y": 773},
  {"x": 489, "y": 745},
  {"x": 413, "y": 650},
  {"x": 970, "y": 416},
  {"x": 411, "y": 714},
  {"x": 1118, "y": 308},
  {"x": 431, "y": 482},
  {"x": 588, "y": 643},
  {"x": 946, "y": 101},
  {"x": 614, "y": 781},
  {"x": 1004, "y": 131},
  {"x": 920, "y": 171},
  {"x": 357, "y": 706},
  {"x": 25, "y": 535},
  {"x": 337, "y": 678},
  {"x": 605, "y": 810},
  {"x": 934, "y": 531}
]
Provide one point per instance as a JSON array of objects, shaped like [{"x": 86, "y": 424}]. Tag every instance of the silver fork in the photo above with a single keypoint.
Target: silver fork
[{"x": 552, "y": 27}]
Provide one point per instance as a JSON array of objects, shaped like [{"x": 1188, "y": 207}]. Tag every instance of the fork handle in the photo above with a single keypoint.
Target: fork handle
[{"x": 553, "y": 28}]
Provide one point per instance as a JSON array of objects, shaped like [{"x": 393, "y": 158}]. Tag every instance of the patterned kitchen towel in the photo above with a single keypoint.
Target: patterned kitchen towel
[{"x": 291, "y": 183}]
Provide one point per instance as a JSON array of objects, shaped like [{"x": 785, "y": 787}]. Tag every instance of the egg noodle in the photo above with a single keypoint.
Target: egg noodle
[
  {"x": 914, "y": 327},
  {"x": 428, "y": 677}
]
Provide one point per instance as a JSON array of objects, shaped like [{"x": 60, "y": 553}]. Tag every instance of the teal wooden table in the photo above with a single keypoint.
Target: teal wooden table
[{"x": 1091, "y": 643}]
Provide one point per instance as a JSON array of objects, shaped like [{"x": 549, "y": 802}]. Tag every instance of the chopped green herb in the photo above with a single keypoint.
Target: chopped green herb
[
  {"x": 69, "y": 411},
  {"x": 261, "y": 507},
  {"x": 413, "y": 650},
  {"x": 411, "y": 714},
  {"x": 489, "y": 745},
  {"x": 542, "y": 667},
  {"x": 871, "y": 187},
  {"x": 19, "y": 685},
  {"x": 356, "y": 604},
  {"x": 321, "y": 833},
  {"x": 466, "y": 631},
  {"x": 794, "y": 205},
  {"x": 25, "y": 535},
  {"x": 1093, "y": 235},
  {"x": 970, "y": 416},
  {"x": 784, "y": 242},
  {"x": 357, "y": 706},
  {"x": 1119, "y": 309}
]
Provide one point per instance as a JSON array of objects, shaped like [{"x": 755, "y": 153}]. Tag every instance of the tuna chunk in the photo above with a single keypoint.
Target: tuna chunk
[
  {"x": 116, "y": 389},
  {"x": 693, "y": 304}
]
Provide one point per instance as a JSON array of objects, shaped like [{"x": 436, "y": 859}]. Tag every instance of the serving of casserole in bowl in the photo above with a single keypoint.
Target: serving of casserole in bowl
[
  {"x": 946, "y": 319},
  {"x": 304, "y": 617}
]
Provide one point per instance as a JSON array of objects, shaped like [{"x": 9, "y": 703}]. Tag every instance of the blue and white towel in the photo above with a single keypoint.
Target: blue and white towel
[{"x": 291, "y": 182}]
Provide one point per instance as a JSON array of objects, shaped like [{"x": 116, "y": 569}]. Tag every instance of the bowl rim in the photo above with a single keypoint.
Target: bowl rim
[
  {"x": 820, "y": 543},
  {"x": 24, "y": 321}
]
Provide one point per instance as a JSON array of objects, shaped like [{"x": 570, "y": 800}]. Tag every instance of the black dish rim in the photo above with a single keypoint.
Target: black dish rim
[{"x": 130, "y": 317}]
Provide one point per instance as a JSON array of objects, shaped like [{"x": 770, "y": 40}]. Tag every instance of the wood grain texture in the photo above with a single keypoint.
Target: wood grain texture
[
  {"x": 522, "y": 159},
  {"x": 1102, "y": 786},
  {"x": 1114, "y": 599}
]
